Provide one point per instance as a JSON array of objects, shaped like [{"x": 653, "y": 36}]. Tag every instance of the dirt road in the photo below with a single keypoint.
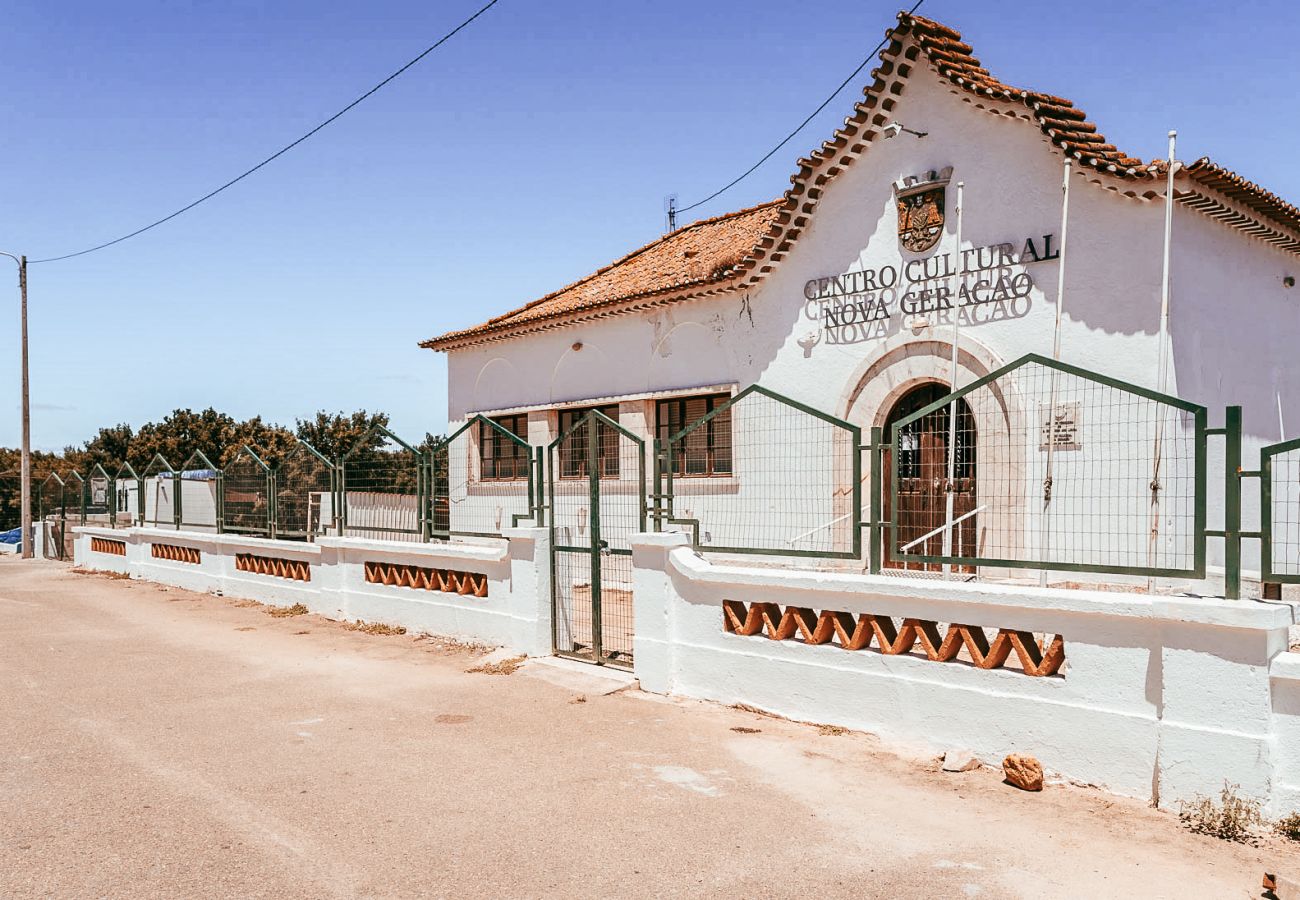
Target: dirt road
[{"x": 156, "y": 742}]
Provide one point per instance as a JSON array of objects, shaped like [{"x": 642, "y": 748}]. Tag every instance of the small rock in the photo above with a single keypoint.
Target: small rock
[
  {"x": 959, "y": 761},
  {"x": 1023, "y": 772}
]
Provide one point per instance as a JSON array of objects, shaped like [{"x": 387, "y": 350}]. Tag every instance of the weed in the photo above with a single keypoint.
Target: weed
[
  {"x": 745, "y": 707},
  {"x": 281, "y": 612},
  {"x": 741, "y": 729},
  {"x": 831, "y": 730},
  {"x": 1289, "y": 826},
  {"x": 1232, "y": 818},
  {"x": 501, "y": 667},
  {"x": 103, "y": 573},
  {"x": 374, "y": 627}
]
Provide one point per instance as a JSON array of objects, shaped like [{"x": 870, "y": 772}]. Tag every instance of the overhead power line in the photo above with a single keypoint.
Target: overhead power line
[
  {"x": 802, "y": 125},
  {"x": 283, "y": 150}
]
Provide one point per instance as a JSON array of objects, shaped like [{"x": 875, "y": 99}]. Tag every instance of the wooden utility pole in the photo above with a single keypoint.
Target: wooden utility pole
[
  {"x": 27, "y": 420},
  {"x": 27, "y": 412}
]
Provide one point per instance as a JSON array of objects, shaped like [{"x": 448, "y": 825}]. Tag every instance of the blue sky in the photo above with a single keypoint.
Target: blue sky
[{"x": 536, "y": 146}]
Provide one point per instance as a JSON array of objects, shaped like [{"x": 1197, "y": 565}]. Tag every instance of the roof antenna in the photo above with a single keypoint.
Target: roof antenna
[{"x": 670, "y": 207}]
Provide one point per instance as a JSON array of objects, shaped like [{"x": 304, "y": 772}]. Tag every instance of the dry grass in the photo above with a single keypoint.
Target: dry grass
[
  {"x": 103, "y": 573},
  {"x": 1289, "y": 826},
  {"x": 831, "y": 730},
  {"x": 745, "y": 707},
  {"x": 1232, "y": 818},
  {"x": 374, "y": 627},
  {"x": 246, "y": 603},
  {"x": 283, "y": 612},
  {"x": 450, "y": 645},
  {"x": 741, "y": 729},
  {"x": 500, "y": 667}
]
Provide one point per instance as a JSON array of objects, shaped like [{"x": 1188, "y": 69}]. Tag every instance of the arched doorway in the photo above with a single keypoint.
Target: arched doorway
[{"x": 923, "y": 484}]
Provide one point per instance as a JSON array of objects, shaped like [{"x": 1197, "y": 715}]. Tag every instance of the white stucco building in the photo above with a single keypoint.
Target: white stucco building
[{"x": 839, "y": 295}]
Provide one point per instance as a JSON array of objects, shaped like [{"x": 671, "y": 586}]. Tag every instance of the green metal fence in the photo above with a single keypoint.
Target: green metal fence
[
  {"x": 1280, "y": 513},
  {"x": 246, "y": 492},
  {"x": 384, "y": 491},
  {"x": 128, "y": 497},
  {"x": 483, "y": 478},
  {"x": 304, "y": 494},
  {"x": 160, "y": 486},
  {"x": 60, "y": 505},
  {"x": 1043, "y": 465},
  {"x": 1039, "y": 465},
  {"x": 98, "y": 504},
  {"x": 761, "y": 473},
  {"x": 198, "y": 494}
]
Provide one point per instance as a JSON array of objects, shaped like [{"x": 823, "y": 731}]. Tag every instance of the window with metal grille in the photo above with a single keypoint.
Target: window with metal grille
[
  {"x": 923, "y": 443},
  {"x": 501, "y": 459},
  {"x": 573, "y": 452},
  {"x": 706, "y": 450}
]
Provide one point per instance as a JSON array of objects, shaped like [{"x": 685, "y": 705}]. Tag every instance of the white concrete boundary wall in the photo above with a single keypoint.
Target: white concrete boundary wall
[
  {"x": 1159, "y": 697},
  {"x": 515, "y": 613}
]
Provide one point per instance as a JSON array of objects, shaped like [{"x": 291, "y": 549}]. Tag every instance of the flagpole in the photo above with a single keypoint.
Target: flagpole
[
  {"x": 949, "y": 488},
  {"x": 1046, "y": 535},
  {"x": 1162, "y": 350}
]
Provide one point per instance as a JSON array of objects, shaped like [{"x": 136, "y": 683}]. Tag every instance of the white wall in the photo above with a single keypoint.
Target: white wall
[
  {"x": 515, "y": 613},
  {"x": 1159, "y": 698}
]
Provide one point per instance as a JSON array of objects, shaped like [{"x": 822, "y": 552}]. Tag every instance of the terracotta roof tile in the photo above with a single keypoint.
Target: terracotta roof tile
[
  {"x": 693, "y": 257},
  {"x": 741, "y": 248}
]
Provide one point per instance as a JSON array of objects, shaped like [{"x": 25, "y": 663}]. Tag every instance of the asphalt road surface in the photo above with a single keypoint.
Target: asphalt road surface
[{"x": 160, "y": 743}]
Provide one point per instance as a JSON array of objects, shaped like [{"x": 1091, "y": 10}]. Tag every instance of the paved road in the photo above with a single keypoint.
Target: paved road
[{"x": 155, "y": 742}]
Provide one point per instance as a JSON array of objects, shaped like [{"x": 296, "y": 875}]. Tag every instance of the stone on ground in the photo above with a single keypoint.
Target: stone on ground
[{"x": 1024, "y": 772}]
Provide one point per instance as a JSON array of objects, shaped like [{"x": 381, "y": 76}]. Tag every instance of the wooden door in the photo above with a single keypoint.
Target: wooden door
[{"x": 923, "y": 481}]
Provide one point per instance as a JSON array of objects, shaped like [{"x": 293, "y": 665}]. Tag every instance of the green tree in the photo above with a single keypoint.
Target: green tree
[
  {"x": 109, "y": 448},
  {"x": 269, "y": 442},
  {"x": 180, "y": 434},
  {"x": 334, "y": 434}
]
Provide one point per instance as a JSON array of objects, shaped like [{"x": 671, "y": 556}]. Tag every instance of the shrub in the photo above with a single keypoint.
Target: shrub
[
  {"x": 1289, "y": 826},
  {"x": 1232, "y": 818}
]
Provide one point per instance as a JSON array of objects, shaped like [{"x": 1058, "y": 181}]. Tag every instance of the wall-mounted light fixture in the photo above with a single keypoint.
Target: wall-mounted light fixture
[{"x": 893, "y": 129}]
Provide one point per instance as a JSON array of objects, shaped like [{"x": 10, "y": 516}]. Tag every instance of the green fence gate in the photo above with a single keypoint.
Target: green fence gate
[{"x": 597, "y": 491}]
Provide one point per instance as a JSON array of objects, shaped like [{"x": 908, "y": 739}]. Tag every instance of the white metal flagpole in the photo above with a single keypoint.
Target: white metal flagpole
[
  {"x": 1163, "y": 369},
  {"x": 1050, "y": 425},
  {"x": 952, "y": 380},
  {"x": 1162, "y": 350}
]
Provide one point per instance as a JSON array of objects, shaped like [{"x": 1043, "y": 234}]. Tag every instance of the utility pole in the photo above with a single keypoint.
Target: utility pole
[{"x": 27, "y": 412}]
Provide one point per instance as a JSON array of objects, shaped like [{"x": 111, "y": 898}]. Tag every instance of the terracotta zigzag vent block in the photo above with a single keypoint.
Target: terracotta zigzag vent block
[
  {"x": 106, "y": 545},
  {"x": 175, "y": 553},
  {"x": 470, "y": 584},
  {"x": 293, "y": 569},
  {"x": 858, "y": 632}
]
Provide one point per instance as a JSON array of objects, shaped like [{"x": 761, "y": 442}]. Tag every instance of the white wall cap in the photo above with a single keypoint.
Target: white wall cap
[
  {"x": 228, "y": 540},
  {"x": 100, "y": 531},
  {"x": 660, "y": 539},
  {"x": 1285, "y": 666},
  {"x": 479, "y": 552},
  {"x": 525, "y": 533},
  {"x": 1194, "y": 610}
]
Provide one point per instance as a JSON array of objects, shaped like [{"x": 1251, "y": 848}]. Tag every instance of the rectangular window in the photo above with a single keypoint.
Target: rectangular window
[
  {"x": 501, "y": 459},
  {"x": 573, "y": 452},
  {"x": 706, "y": 450}
]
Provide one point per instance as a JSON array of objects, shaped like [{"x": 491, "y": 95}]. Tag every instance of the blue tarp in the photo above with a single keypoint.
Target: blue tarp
[{"x": 11, "y": 537}]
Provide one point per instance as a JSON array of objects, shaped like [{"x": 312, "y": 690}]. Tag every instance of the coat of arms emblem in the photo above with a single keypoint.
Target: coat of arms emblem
[{"x": 920, "y": 209}]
